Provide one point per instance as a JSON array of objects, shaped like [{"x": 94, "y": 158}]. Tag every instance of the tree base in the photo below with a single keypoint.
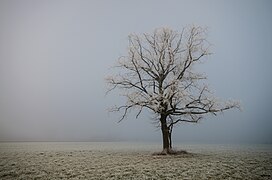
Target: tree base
[{"x": 171, "y": 152}]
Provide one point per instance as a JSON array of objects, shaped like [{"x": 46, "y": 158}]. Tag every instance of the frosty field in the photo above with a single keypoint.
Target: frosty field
[{"x": 115, "y": 160}]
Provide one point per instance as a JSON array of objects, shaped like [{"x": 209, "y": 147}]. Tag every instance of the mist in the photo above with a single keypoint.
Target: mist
[{"x": 55, "y": 55}]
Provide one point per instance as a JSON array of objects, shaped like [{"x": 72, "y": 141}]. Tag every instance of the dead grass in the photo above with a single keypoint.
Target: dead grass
[{"x": 95, "y": 163}]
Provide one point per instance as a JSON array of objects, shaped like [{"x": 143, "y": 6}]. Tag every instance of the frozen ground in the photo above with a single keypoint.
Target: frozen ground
[{"x": 132, "y": 161}]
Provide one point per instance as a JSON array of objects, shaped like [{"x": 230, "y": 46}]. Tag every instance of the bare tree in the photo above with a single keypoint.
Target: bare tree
[{"x": 158, "y": 74}]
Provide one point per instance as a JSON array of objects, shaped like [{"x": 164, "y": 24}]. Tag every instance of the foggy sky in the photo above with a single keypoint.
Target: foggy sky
[{"x": 55, "y": 55}]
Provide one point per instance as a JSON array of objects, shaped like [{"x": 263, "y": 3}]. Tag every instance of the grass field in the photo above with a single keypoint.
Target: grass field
[{"x": 132, "y": 161}]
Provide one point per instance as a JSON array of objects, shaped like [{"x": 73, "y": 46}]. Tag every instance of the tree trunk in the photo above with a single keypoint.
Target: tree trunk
[
  {"x": 165, "y": 135},
  {"x": 170, "y": 139}
]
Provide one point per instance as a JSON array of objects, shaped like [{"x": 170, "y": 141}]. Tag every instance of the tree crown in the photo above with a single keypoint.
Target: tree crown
[{"x": 158, "y": 74}]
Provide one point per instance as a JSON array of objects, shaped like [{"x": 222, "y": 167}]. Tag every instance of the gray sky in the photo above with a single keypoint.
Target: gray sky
[{"x": 54, "y": 56}]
